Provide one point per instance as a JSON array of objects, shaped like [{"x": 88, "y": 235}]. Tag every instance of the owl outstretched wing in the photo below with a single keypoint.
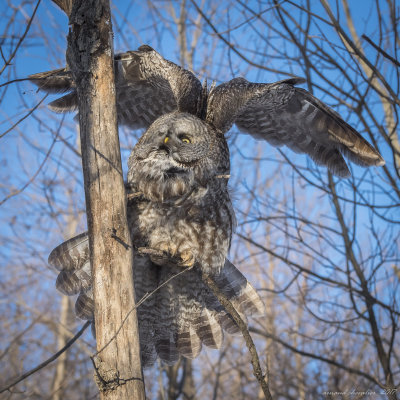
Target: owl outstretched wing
[
  {"x": 147, "y": 87},
  {"x": 283, "y": 114}
]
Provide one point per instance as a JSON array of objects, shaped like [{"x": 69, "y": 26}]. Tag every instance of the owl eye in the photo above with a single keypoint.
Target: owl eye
[
  {"x": 184, "y": 139},
  {"x": 166, "y": 139}
]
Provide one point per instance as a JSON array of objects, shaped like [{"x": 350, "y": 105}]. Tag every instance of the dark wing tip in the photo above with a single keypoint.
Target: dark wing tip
[
  {"x": 342, "y": 135},
  {"x": 68, "y": 283},
  {"x": 71, "y": 254},
  {"x": 66, "y": 103},
  {"x": 84, "y": 306},
  {"x": 363, "y": 154},
  {"x": 380, "y": 161},
  {"x": 241, "y": 293},
  {"x": 352, "y": 144},
  {"x": 55, "y": 81},
  {"x": 54, "y": 258},
  {"x": 145, "y": 48}
]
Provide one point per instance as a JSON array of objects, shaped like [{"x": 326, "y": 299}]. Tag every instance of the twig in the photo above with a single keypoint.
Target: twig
[
  {"x": 14, "y": 81},
  {"x": 383, "y": 52},
  {"x": 7, "y": 63},
  {"x": 233, "y": 48},
  {"x": 304, "y": 353},
  {"x": 48, "y": 361},
  {"x": 255, "y": 361},
  {"x": 24, "y": 117},
  {"x": 359, "y": 54},
  {"x": 18, "y": 191}
]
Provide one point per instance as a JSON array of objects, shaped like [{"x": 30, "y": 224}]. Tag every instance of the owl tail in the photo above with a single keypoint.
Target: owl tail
[
  {"x": 177, "y": 314},
  {"x": 189, "y": 315}
]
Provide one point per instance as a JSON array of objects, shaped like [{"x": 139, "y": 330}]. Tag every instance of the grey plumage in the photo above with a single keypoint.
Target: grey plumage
[
  {"x": 180, "y": 213},
  {"x": 282, "y": 114},
  {"x": 148, "y": 86}
]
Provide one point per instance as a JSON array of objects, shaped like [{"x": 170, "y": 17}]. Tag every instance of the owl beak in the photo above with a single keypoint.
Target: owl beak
[{"x": 165, "y": 148}]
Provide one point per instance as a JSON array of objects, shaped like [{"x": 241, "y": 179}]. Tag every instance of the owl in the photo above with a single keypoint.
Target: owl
[{"x": 180, "y": 214}]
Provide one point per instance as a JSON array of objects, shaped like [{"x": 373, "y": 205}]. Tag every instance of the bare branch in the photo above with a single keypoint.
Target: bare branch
[
  {"x": 49, "y": 360},
  {"x": 8, "y": 62},
  {"x": 255, "y": 362},
  {"x": 380, "y": 50}
]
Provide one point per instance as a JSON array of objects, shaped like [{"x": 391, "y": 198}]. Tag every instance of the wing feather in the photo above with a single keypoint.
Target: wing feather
[
  {"x": 71, "y": 282},
  {"x": 71, "y": 254},
  {"x": 147, "y": 85},
  {"x": 84, "y": 305},
  {"x": 282, "y": 114},
  {"x": 209, "y": 330}
]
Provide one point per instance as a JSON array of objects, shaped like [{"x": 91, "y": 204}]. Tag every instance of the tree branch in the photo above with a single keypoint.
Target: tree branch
[
  {"x": 255, "y": 362},
  {"x": 48, "y": 361}
]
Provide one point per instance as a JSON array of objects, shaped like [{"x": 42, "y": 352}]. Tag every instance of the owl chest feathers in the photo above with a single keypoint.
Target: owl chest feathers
[{"x": 203, "y": 227}]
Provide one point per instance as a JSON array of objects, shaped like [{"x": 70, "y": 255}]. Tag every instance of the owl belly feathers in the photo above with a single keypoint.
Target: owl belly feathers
[
  {"x": 182, "y": 209},
  {"x": 195, "y": 233},
  {"x": 169, "y": 239}
]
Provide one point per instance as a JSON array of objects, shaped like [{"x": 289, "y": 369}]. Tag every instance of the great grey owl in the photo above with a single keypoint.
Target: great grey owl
[{"x": 179, "y": 209}]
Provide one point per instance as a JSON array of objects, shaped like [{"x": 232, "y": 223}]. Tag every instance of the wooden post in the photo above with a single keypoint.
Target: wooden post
[{"x": 90, "y": 59}]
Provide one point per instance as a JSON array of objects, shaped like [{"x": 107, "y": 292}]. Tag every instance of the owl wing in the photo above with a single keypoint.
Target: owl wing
[
  {"x": 72, "y": 259},
  {"x": 283, "y": 114},
  {"x": 147, "y": 86}
]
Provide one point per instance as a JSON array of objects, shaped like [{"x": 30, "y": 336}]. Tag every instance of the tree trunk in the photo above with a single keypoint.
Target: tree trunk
[{"x": 90, "y": 58}]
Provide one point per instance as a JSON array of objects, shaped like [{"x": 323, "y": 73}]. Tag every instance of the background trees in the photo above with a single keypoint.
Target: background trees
[{"x": 323, "y": 252}]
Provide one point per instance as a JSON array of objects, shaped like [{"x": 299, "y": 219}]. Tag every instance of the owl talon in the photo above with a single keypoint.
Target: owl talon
[{"x": 187, "y": 259}]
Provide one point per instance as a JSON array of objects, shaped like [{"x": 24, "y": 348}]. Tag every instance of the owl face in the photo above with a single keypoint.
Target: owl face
[{"x": 178, "y": 153}]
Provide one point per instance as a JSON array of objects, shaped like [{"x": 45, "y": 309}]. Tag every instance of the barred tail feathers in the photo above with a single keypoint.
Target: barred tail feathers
[
  {"x": 175, "y": 320},
  {"x": 189, "y": 315}
]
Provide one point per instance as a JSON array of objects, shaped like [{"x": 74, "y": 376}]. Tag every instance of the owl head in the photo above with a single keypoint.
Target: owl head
[{"x": 178, "y": 156}]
